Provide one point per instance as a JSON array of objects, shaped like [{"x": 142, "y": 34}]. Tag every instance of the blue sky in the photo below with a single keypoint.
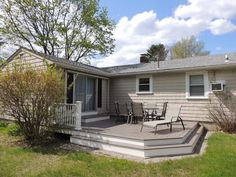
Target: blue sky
[
  {"x": 129, "y": 8},
  {"x": 154, "y": 21}
]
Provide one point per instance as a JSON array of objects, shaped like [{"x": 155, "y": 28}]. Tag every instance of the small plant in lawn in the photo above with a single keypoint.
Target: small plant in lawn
[
  {"x": 222, "y": 111},
  {"x": 29, "y": 95}
]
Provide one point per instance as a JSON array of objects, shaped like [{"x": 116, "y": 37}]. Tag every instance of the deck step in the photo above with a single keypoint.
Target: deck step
[
  {"x": 174, "y": 150},
  {"x": 138, "y": 148},
  {"x": 88, "y": 119}
]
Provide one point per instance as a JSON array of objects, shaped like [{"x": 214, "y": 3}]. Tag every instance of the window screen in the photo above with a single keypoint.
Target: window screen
[{"x": 196, "y": 85}]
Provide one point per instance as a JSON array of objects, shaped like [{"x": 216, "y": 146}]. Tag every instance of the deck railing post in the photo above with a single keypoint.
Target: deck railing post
[{"x": 78, "y": 115}]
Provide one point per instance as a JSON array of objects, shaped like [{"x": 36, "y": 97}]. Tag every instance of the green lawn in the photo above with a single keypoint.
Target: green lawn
[{"x": 16, "y": 159}]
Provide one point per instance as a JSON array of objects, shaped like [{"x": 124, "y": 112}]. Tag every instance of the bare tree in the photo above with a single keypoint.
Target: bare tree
[
  {"x": 70, "y": 28},
  {"x": 188, "y": 47},
  {"x": 222, "y": 111}
]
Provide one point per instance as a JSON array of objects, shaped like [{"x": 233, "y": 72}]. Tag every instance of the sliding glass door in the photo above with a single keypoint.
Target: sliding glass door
[
  {"x": 85, "y": 91},
  {"x": 90, "y": 94},
  {"x": 80, "y": 90}
]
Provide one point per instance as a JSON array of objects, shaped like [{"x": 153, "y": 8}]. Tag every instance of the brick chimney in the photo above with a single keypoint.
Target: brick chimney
[{"x": 144, "y": 58}]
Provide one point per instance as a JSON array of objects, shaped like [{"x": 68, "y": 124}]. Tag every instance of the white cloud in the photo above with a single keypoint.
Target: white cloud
[
  {"x": 216, "y": 14},
  {"x": 221, "y": 26},
  {"x": 133, "y": 36},
  {"x": 207, "y": 9}
]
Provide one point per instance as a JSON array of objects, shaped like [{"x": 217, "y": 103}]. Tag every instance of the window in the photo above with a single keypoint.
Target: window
[
  {"x": 144, "y": 84},
  {"x": 197, "y": 85}
]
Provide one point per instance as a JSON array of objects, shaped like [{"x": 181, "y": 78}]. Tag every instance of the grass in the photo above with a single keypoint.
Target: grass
[{"x": 16, "y": 159}]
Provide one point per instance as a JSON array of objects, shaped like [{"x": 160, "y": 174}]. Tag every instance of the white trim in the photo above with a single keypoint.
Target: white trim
[
  {"x": 144, "y": 93},
  {"x": 150, "y": 85},
  {"x": 206, "y": 84},
  {"x": 197, "y": 98}
]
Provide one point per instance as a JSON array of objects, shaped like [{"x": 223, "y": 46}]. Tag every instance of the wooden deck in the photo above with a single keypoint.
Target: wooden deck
[
  {"x": 127, "y": 139},
  {"x": 132, "y": 131}
]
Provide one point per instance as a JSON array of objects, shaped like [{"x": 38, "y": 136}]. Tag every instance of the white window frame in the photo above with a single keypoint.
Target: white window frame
[
  {"x": 150, "y": 85},
  {"x": 206, "y": 84}
]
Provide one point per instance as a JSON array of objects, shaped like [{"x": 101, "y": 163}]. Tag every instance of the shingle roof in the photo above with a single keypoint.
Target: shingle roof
[
  {"x": 199, "y": 62},
  {"x": 213, "y": 61},
  {"x": 71, "y": 64}
]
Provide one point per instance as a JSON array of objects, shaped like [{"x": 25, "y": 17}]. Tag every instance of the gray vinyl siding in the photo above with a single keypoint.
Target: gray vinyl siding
[
  {"x": 171, "y": 88},
  {"x": 229, "y": 76},
  {"x": 26, "y": 58}
]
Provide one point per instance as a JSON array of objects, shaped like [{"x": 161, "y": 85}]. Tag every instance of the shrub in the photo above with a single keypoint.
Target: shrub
[
  {"x": 222, "y": 112},
  {"x": 28, "y": 95}
]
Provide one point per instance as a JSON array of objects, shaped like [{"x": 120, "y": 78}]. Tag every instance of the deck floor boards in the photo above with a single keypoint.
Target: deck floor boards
[{"x": 109, "y": 127}]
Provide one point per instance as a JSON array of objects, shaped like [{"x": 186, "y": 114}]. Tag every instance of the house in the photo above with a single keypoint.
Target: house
[
  {"x": 190, "y": 82},
  {"x": 186, "y": 82},
  {"x": 90, "y": 84}
]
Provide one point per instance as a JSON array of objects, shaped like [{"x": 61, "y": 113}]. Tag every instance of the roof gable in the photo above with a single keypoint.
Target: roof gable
[
  {"x": 22, "y": 55},
  {"x": 60, "y": 62}
]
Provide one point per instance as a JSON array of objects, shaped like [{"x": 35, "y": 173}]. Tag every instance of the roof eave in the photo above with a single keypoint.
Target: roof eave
[
  {"x": 228, "y": 65},
  {"x": 77, "y": 69}
]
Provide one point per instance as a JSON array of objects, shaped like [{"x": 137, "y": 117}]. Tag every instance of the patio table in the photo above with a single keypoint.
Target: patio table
[{"x": 151, "y": 112}]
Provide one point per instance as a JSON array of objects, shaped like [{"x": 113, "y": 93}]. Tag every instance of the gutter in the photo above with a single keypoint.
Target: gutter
[
  {"x": 78, "y": 69},
  {"x": 228, "y": 65}
]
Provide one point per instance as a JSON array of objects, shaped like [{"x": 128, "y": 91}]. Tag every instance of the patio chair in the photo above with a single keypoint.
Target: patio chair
[
  {"x": 137, "y": 112},
  {"x": 172, "y": 115},
  {"x": 122, "y": 111},
  {"x": 163, "y": 112}
]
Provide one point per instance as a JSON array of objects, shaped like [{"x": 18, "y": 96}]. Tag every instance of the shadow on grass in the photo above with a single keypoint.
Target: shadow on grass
[
  {"x": 56, "y": 144},
  {"x": 59, "y": 144}
]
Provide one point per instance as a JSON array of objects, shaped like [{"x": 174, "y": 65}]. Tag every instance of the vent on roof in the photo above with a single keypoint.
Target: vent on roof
[{"x": 226, "y": 58}]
